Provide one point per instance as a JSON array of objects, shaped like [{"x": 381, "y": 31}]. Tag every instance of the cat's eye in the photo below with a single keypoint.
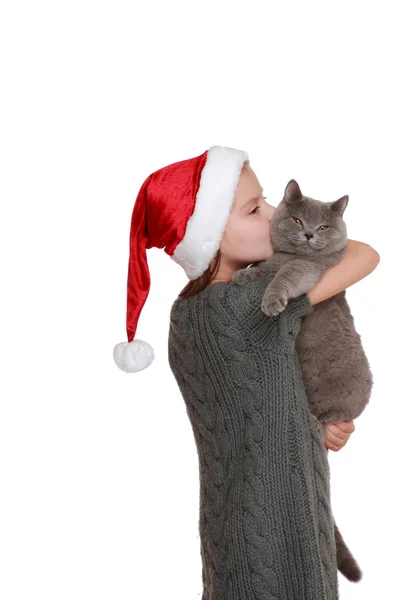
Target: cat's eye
[
  {"x": 296, "y": 220},
  {"x": 323, "y": 227}
]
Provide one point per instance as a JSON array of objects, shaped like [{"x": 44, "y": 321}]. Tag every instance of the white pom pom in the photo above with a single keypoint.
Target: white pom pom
[{"x": 133, "y": 356}]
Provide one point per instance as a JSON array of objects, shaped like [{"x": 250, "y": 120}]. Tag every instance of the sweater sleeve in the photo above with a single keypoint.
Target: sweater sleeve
[
  {"x": 297, "y": 308},
  {"x": 278, "y": 332}
]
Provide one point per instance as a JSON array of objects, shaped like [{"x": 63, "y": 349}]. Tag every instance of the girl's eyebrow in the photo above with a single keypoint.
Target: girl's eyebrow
[{"x": 248, "y": 202}]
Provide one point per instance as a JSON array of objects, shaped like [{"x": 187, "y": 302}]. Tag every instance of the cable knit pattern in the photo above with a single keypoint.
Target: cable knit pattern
[{"x": 265, "y": 523}]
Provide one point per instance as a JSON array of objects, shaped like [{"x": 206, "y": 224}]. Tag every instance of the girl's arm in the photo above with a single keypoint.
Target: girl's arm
[{"x": 359, "y": 260}]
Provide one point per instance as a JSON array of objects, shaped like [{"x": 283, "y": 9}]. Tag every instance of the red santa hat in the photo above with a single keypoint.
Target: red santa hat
[{"x": 183, "y": 208}]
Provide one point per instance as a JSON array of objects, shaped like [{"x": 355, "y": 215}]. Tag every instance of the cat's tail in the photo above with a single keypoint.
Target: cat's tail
[{"x": 346, "y": 562}]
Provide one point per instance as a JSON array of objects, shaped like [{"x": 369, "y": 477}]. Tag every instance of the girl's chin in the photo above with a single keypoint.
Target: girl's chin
[{"x": 265, "y": 256}]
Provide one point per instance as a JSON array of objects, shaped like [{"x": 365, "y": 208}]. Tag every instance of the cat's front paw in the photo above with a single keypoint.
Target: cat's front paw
[
  {"x": 245, "y": 275},
  {"x": 272, "y": 303}
]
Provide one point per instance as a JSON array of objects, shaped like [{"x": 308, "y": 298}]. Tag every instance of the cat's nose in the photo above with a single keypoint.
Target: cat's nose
[{"x": 309, "y": 235}]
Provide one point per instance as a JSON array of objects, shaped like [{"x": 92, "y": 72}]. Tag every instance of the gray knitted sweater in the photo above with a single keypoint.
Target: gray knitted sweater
[{"x": 266, "y": 526}]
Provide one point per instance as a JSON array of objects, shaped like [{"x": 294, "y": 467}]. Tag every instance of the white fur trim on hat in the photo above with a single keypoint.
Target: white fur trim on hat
[
  {"x": 133, "y": 356},
  {"x": 205, "y": 227}
]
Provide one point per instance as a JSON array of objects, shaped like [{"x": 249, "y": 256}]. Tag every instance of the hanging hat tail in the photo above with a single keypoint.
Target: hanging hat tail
[{"x": 135, "y": 355}]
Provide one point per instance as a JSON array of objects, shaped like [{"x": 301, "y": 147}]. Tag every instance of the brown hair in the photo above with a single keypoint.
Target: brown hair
[{"x": 194, "y": 286}]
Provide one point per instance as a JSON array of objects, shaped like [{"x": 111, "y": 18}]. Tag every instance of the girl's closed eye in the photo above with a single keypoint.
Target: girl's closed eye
[{"x": 253, "y": 212}]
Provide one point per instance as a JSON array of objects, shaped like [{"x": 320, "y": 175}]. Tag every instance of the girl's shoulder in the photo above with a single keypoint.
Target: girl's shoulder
[
  {"x": 245, "y": 300},
  {"x": 230, "y": 304}
]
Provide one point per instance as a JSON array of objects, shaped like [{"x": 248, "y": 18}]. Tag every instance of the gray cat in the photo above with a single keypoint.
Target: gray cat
[{"x": 309, "y": 236}]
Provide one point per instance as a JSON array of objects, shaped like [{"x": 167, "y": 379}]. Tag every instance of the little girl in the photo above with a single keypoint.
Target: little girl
[{"x": 265, "y": 523}]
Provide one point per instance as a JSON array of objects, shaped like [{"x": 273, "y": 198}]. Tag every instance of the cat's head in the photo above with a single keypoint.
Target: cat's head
[{"x": 303, "y": 225}]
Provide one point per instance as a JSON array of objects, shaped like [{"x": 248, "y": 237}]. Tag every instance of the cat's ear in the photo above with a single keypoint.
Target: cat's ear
[
  {"x": 292, "y": 192},
  {"x": 339, "y": 206}
]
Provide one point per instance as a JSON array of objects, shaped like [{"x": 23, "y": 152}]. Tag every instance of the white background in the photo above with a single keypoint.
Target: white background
[{"x": 98, "y": 468}]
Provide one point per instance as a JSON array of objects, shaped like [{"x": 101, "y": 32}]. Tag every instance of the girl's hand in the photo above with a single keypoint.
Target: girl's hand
[{"x": 338, "y": 433}]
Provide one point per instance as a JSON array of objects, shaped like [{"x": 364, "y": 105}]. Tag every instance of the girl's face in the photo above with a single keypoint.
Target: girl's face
[{"x": 246, "y": 237}]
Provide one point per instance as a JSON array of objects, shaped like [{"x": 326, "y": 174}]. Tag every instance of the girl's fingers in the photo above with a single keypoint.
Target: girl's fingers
[
  {"x": 336, "y": 435},
  {"x": 333, "y": 442}
]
